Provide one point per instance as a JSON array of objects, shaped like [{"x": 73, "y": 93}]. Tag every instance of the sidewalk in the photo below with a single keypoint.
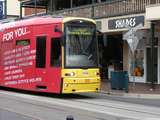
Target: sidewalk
[{"x": 137, "y": 90}]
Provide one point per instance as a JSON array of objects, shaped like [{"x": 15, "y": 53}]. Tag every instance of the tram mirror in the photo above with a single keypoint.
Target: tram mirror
[{"x": 56, "y": 29}]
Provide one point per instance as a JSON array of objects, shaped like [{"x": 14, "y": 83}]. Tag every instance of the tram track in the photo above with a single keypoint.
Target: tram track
[
  {"x": 22, "y": 115},
  {"x": 48, "y": 106},
  {"x": 122, "y": 108},
  {"x": 101, "y": 106}
]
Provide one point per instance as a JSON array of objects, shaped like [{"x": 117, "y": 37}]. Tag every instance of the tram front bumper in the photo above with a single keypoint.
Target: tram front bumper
[{"x": 76, "y": 85}]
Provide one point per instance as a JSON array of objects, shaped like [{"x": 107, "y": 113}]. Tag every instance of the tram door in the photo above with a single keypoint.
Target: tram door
[
  {"x": 48, "y": 63},
  {"x": 54, "y": 64}
]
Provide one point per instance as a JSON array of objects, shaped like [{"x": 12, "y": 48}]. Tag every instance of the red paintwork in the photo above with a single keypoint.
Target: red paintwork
[{"x": 12, "y": 73}]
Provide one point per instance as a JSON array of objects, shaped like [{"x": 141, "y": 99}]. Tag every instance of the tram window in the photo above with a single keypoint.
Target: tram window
[
  {"x": 22, "y": 42},
  {"x": 55, "y": 52},
  {"x": 41, "y": 52}
]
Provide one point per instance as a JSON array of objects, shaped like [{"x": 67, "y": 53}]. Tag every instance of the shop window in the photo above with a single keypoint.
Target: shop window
[
  {"x": 22, "y": 42},
  {"x": 137, "y": 63},
  {"x": 155, "y": 42}
]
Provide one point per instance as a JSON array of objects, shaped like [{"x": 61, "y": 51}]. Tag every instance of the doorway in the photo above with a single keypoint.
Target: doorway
[
  {"x": 112, "y": 54},
  {"x": 154, "y": 64}
]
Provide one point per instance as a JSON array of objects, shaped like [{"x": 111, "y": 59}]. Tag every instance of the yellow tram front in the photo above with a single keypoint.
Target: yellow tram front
[{"x": 80, "y": 72}]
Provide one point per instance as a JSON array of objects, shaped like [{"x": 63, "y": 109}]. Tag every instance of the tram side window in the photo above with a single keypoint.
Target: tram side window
[
  {"x": 22, "y": 42},
  {"x": 55, "y": 52},
  {"x": 41, "y": 52}
]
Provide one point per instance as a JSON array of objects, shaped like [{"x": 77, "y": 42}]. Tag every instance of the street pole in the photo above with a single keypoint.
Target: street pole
[
  {"x": 92, "y": 11},
  {"x": 5, "y": 13},
  {"x": 35, "y": 6},
  {"x": 134, "y": 66},
  {"x": 71, "y": 3},
  {"x": 20, "y": 10}
]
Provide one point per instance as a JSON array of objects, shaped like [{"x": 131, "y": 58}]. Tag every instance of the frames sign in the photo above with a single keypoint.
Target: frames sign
[{"x": 124, "y": 22}]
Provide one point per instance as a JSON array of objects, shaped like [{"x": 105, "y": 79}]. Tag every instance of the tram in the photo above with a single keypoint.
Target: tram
[{"x": 50, "y": 54}]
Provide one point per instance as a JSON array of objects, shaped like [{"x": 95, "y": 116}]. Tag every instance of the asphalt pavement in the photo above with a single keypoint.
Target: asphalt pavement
[{"x": 22, "y": 106}]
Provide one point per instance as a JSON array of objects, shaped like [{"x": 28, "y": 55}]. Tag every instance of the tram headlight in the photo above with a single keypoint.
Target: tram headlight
[
  {"x": 97, "y": 73},
  {"x": 65, "y": 85},
  {"x": 70, "y": 74}
]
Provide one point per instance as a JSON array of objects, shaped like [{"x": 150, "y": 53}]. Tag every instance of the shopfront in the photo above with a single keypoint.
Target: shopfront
[
  {"x": 140, "y": 63},
  {"x": 153, "y": 16}
]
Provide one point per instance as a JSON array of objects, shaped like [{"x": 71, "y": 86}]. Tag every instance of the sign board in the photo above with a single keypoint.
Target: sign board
[
  {"x": 121, "y": 23},
  {"x": 133, "y": 43},
  {"x": 133, "y": 36},
  {"x": 132, "y": 31},
  {"x": 1, "y": 9}
]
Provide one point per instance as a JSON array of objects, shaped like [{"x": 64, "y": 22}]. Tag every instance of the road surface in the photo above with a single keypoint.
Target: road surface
[{"x": 22, "y": 106}]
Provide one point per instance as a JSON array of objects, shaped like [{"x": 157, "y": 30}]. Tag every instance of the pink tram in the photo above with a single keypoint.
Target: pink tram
[{"x": 46, "y": 54}]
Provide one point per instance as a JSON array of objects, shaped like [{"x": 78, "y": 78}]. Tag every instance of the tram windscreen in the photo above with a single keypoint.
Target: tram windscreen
[{"x": 81, "y": 46}]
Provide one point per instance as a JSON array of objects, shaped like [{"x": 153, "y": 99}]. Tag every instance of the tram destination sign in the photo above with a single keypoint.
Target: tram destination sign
[{"x": 123, "y": 22}]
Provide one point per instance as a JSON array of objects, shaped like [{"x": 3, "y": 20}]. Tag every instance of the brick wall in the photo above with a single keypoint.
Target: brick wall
[{"x": 30, "y": 11}]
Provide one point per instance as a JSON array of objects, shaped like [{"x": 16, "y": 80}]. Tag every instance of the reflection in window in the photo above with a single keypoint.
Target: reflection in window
[
  {"x": 137, "y": 67},
  {"x": 77, "y": 44},
  {"x": 81, "y": 46}
]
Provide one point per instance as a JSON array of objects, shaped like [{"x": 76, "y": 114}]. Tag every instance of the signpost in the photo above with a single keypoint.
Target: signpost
[{"x": 133, "y": 36}]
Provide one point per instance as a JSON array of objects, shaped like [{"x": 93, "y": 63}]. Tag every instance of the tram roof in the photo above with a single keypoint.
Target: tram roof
[
  {"x": 30, "y": 21},
  {"x": 38, "y": 21}
]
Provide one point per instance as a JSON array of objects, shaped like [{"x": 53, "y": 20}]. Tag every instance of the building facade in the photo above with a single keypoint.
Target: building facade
[
  {"x": 30, "y": 9},
  {"x": 13, "y": 8},
  {"x": 9, "y": 10},
  {"x": 122, "y": 45}
]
